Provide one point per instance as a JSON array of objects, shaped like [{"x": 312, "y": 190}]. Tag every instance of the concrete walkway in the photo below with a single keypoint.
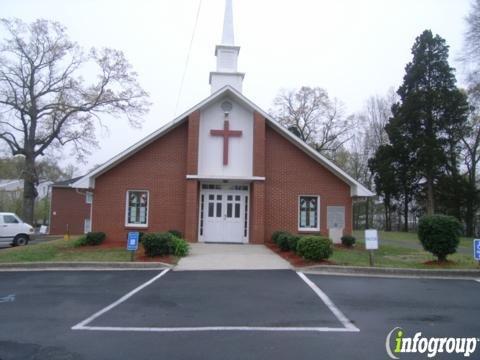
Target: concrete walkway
[{"x": 231, "y": 257}]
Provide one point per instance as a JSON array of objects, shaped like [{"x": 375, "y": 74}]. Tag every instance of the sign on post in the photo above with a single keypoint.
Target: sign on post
[
  {"x": 476, "y": 249},
  {"x": 371, "y": 239},
  {"x": 132, "y": 242},
  {"x": 371, "y": 243}
]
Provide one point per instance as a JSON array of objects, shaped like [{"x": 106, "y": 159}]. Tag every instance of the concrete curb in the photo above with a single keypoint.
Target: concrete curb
[
  {"x": 391, "y": 272},
  {"x": 87, "y": 265}
]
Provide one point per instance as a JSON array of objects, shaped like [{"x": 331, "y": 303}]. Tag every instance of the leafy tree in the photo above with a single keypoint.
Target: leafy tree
[
  {"x": 45, "y": 102},
  {"x": 432, "y": 112}
]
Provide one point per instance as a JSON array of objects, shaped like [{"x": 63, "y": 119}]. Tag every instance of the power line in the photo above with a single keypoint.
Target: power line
[{"x": 188, "y": 56}]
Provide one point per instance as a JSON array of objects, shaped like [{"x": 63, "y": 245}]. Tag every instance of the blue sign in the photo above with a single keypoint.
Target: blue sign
[
  {"x": 132, "y": 241},
  {"x": 476, "y": 249}
]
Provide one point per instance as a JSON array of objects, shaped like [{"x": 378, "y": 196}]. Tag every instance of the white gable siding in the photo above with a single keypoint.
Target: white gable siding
[{"x": 210, "y": 148}]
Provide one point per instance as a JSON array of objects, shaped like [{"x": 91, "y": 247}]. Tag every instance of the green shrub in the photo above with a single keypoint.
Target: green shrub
[
  {"x": 95, "y": 238},
  {"x": 348, "y": 240},
  {"x": 176, "y": 233},
  {"x": 292, "y": 242},
  {"x": 180, "y": 247},
  {"x": 314, "y": 247},
  {"x": 283, "y": 241},
  {"x": 140, "y": 236},
  {"x": 276, "y": 234},
  {"x": 439, "y": 234},
  {"x": 158, "y": 244},
  {"x": 81, "y": 241}
]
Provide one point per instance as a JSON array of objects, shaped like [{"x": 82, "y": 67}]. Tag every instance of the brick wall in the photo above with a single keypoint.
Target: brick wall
[
  {"x": 290, "y": 173},
  {"x": 160, "y": 168},
  {"x": 68, "y": 210}
]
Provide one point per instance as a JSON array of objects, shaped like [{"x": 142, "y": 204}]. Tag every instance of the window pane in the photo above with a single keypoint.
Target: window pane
[
  {"x": 229, "y": 210},
  {"x": 237, "y": 210},
  {"x": 229, "y": 197},
  {"x": 210, "y": 209},
  {"x": 219, "y": 209},
  {"x": 308, "y": 212},
  {"x": 10, "y": 219},
  {"x": 137, "y": 207}
]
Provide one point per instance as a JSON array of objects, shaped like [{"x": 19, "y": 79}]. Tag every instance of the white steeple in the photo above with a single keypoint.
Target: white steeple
[
  {"x": 227, "y": 56},
  {"x": 228, "y": 37}
]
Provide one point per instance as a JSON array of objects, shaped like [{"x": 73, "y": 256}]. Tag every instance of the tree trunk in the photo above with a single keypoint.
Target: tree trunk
[
  {"x": 405, "y": 214},
  {"x": 388, "y": 221},
  {"x": 430, "y": 201},
  {"x": 30, "y": 181},
  {"x": 470, "y": 212},
  {"x": 367, "y": 213}
]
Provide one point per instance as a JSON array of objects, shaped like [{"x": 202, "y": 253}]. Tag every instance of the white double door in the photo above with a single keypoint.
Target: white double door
[{"x": 224, "y": 215}]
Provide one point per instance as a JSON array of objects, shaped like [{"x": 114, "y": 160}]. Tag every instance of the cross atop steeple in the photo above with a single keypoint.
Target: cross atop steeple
[{"x": 227, "y": 56}]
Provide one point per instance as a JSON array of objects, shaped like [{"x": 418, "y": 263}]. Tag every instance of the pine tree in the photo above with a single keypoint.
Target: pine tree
[{"x": 431, "y": 114}]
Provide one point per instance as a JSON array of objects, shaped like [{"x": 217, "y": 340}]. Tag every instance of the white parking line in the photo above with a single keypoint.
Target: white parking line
[
  {"x": 347, "y": 324},
  {"x": 118, "y": 302},
  {"x": 214, "y": 328},
  {"x": 340, "y": 316}
]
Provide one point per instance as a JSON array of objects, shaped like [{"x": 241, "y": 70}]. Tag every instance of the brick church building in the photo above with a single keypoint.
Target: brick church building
[{"x": 224, "y": 171}]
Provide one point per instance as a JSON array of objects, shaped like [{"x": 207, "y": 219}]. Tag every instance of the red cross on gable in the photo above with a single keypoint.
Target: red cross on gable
[{"x": 226, "y": 133}]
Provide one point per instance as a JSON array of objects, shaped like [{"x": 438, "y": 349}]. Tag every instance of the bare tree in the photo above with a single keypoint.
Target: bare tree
[
  {"x": 368, "y": 137},
  {"x": 315, "y": 118},
  {"x": 471, "y": 159},
  {"x": 44, "y": 100}
]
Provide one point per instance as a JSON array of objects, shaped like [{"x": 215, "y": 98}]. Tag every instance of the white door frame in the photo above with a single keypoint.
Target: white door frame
[{"x": 224, "y": 188}]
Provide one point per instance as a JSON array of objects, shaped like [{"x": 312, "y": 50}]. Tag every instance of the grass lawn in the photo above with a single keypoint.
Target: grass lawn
[
  {"x": 62, "y": 250},
  {"x": 393, "y": 253},
  {"x": 398, "y": 257},
  {"x": 407, "y": 237}
]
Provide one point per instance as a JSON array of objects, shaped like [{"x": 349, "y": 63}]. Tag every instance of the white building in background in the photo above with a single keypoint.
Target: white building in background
[{"x": 15, "y": 187}]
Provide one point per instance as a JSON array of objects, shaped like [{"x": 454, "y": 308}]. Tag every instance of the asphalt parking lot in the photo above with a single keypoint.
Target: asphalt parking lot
[{"x": 224, "y": 314}]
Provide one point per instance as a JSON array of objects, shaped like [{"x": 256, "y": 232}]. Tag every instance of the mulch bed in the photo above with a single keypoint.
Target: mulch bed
[
  {"x": 440, "y": 263},
  {"x": 294, "y": 259}
]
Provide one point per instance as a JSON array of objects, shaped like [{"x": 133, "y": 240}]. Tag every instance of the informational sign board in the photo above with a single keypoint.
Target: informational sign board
[
  {"x": 476, "y": 249},
  {"x": 132, "y": 240},
  {"x": 371, "y": 239}
]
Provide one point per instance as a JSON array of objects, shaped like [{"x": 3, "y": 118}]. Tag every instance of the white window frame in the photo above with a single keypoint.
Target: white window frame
[
  {"x": 127, "y": 224},
  {"x": 89, "y": 197},
  {"x": 304, "y": 229}
]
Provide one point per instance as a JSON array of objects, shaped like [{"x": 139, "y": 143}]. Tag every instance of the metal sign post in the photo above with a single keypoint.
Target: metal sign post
[
  {"x": 371, "y": 244},
  {"x": 132, "y": 243}
]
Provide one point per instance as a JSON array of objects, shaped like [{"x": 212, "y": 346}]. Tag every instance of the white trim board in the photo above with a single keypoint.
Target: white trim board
[{"x": 347, "y": 325}]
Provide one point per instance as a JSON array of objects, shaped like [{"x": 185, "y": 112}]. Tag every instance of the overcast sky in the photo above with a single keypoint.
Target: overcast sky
[{"x": 352, "y": 48}]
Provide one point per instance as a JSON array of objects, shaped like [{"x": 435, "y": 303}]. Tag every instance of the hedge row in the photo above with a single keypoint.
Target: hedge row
[
  {"x": 309, "y": 247},
  {"x": 155, "y": 244}
]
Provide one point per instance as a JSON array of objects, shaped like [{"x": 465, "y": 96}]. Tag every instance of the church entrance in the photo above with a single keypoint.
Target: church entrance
[{"x": 223, "y": 216}]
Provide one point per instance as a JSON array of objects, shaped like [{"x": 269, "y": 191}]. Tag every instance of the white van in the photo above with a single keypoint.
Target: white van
[{"x": 13, "y": 231}]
